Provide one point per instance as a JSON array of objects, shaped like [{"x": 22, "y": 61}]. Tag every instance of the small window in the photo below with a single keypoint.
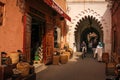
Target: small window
[
  {"x": 55, "y": 38},
  {"x": 1, "y": 13}
]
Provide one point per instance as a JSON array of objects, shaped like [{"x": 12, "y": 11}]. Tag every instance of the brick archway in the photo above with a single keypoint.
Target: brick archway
[{"x": 86, "y": 25}]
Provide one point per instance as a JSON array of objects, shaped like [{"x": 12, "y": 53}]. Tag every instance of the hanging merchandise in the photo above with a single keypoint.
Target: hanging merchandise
[{"x": 39, "y": 54}]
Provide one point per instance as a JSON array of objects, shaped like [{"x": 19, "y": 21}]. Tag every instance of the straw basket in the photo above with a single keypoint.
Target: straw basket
[
  {"x": 14, "y": 56},
  {"x": 105, "y": 57},
  {"x": 24, "y": 68},
  {"x": 63, "y": 58},
  {"x": 67, "y": 53}
]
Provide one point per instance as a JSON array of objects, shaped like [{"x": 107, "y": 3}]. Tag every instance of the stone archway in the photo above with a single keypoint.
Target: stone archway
[{"x": 88, "y": 26}]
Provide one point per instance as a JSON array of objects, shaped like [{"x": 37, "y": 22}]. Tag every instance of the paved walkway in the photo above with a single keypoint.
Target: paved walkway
[{"x": 75, "y": 69}]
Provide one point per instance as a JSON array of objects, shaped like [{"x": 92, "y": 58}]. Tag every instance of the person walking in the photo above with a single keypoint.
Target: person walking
[
  {"x": 84, "y": 49},
  {"x": 99, "y": 51},
  {"x": 94, "y": 45},
  {"x": 90, "y": 45}
]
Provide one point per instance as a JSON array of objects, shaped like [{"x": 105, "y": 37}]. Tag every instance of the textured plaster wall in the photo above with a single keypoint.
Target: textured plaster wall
[
  {"x": 107, "y": 25},
  {"x": 84, "y": 0},
  {"x": 98, "y": 10},
  {"x": 11, "y": 32},
  {"x": 62, "y": 4}
]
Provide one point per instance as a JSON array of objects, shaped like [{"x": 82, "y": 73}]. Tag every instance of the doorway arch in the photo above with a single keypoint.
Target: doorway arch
[{"x": 88, "y": 29}]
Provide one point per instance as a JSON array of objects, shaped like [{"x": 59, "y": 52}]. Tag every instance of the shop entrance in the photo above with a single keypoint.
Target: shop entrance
[{"x": 37, "y": 33}]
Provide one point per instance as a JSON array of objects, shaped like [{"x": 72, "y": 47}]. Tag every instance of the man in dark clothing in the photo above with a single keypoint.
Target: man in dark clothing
[{"x": 84, "y": 49}]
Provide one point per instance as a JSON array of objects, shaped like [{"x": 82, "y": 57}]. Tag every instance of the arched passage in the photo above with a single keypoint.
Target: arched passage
[
  {"x": 88, "y": 29},
  {"x": 89, "y": 33}
]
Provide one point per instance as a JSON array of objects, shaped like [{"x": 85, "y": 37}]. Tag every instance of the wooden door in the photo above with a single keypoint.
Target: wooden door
[
  {"x": 48, "y": 44},
  {"x": 27, "y": 36}
]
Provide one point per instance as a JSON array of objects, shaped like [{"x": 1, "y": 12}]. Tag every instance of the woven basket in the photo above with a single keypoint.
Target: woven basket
[
  {"x": 24, "y": 68},
  {"x": 63, "y": 58},
  {"x": 14, "y": 57},
  {"x": 67, "y": 53}
]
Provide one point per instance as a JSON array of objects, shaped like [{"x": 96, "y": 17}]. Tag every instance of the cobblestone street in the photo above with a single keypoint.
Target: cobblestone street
[{"x": 75, "y": 69}]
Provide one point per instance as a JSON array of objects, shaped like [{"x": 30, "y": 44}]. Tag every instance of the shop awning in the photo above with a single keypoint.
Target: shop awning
[{"x": 52, "y": 4}]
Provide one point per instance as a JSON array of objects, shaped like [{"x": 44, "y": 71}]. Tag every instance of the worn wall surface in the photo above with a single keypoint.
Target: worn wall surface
[
  {"x": 99, "y": 10},
  {"x": 11, "y": 31},
  {"x": 116, "y": 27},
  {"x": 84, "y": 0},
  {"x": 62, "y": 4}
]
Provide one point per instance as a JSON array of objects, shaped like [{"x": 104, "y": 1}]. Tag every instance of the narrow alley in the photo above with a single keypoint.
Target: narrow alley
[
  {"x": 75, "y": 69},
  {"x": 44, "y": 39}
]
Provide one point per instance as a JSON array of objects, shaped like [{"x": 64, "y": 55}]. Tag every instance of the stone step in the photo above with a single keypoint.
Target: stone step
[
  {"x": 39, "y": 67},
  {"x": 76, "y": 56}
]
